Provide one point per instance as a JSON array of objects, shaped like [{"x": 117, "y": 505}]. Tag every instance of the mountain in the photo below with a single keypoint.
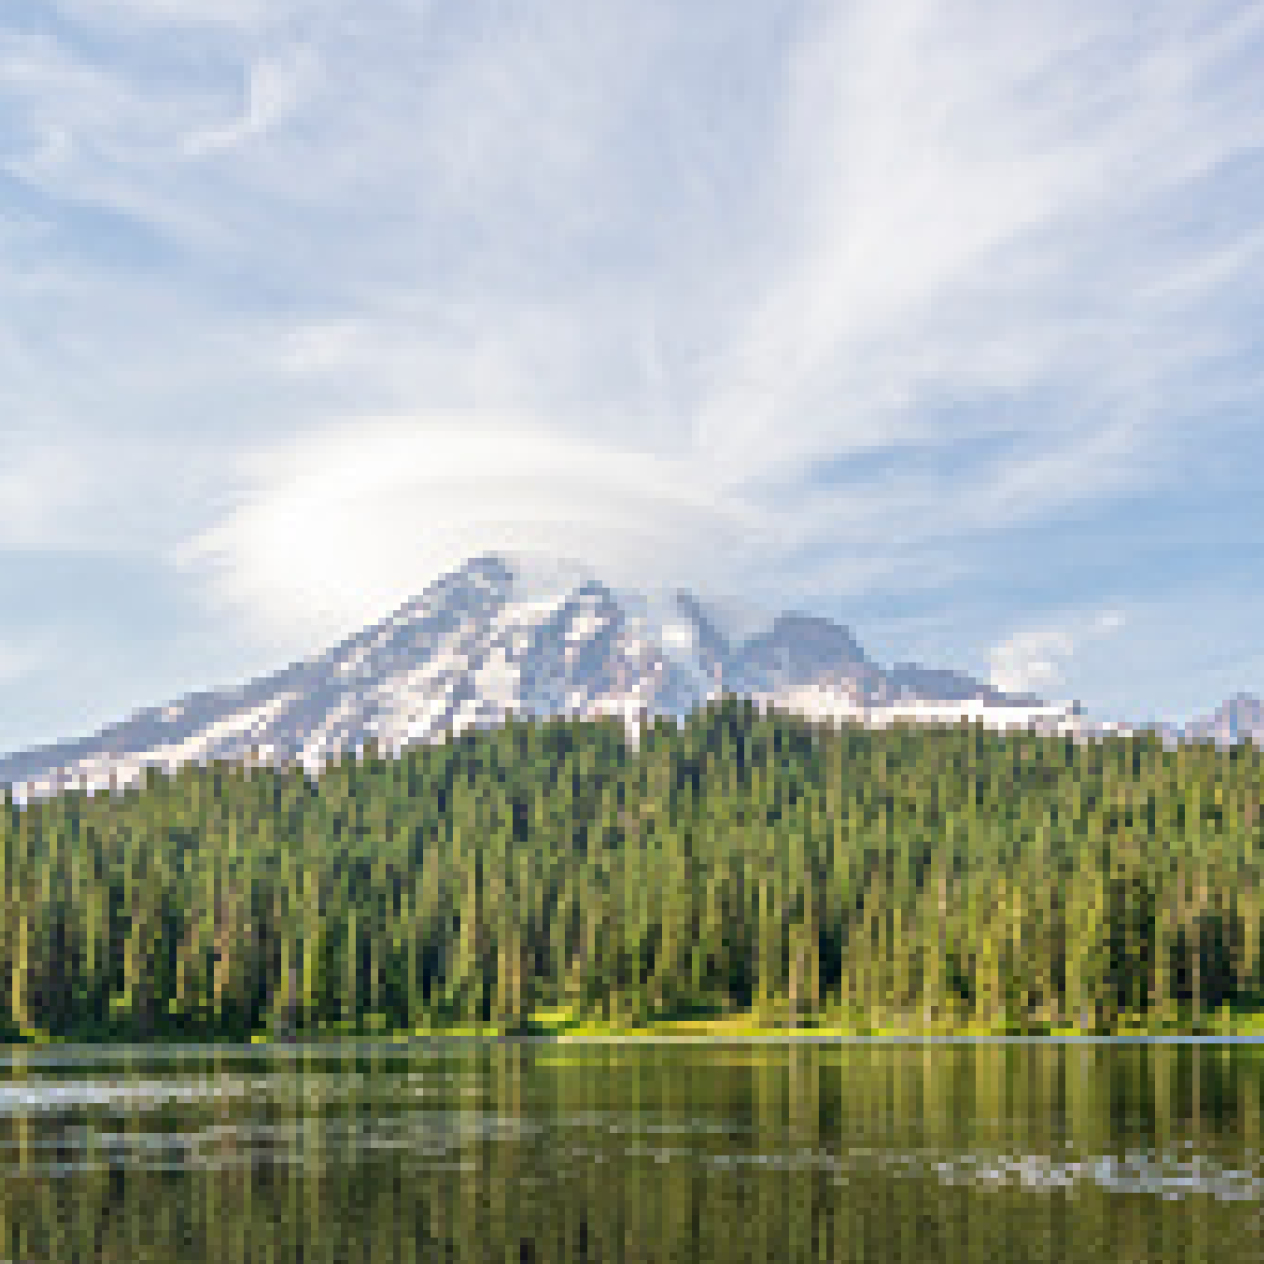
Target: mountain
[
  {"x": 542, "y": 636},
  {"x": 1235, "y": 720}
]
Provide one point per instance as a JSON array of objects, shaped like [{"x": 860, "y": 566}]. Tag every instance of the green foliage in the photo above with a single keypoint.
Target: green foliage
[{"x": 744, "y": 862}]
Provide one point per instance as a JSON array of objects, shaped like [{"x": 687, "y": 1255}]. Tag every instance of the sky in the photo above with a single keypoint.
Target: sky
[{"x": 941, "y": 320}]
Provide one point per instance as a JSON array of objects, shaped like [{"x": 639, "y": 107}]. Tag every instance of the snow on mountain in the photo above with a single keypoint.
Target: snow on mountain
[
  {"x": 541, "y": 636},
  {"x": 734, "y": 620},
  {"x": 543, "y": 578},
  {"x": 1235, "y": 720}
]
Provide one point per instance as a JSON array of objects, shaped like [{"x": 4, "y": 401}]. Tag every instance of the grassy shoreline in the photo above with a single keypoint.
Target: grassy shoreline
[
  {"x": 743, "y": 1026},
  {"x": 563, "y": 1026}
]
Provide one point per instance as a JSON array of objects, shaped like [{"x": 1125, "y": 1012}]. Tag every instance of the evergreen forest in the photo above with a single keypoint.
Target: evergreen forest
[{"x": 744, "y": 863}]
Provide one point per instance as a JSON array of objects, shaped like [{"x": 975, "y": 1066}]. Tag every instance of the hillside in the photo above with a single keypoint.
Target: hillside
[{"x": 742, "y": 864}]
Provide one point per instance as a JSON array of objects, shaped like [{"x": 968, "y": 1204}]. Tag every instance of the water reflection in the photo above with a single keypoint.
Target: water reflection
[{"x": 496, "y": 1142}]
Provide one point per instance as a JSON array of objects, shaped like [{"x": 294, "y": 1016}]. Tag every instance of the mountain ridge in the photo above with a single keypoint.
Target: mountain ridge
[{"x": 540, "y": 636}]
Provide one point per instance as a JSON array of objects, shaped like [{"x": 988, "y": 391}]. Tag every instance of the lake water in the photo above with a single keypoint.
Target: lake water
[{"x": 1110, "y": 1151}]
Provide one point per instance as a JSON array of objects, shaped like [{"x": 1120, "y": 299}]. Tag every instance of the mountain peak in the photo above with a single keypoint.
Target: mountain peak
[{"x": 510, "y": 630}]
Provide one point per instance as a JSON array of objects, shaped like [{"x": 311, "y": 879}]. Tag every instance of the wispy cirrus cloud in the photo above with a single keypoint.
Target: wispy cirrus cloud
[
  {"x": 17, "y": 660},
  {"x": 985, "y": 212},
  {"x": 820, "y": 303},
  {"x": 274, "y": 89},
  {"x": 181, "y": 13}
]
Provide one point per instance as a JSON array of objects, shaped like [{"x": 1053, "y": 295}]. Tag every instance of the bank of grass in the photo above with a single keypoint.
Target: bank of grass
[
  {"x": 566, "y": 1025},
  {"x": 563, "y": 1025}
]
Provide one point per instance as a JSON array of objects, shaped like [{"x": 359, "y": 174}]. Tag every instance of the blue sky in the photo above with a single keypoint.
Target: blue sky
[{"x": 944, "y": 320}]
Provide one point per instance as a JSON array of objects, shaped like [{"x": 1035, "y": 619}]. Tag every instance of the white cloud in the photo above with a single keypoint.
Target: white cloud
[
  {"x": 622, "y": 282},
  {"x": 41, "y": 482},
  {"x": 356, "y": 519},
  {"x": 51, "y": 99},
  {"x": 239, "y": 13},
  {"x": 1026, "y": 662},
  {"x": 20, "y": 660},
  {"x": 319, "y": 346},
  {"x": 1034, "y": 660},
  {"x": 274, "y": 88},
  {"x": 975, "y": 198}
]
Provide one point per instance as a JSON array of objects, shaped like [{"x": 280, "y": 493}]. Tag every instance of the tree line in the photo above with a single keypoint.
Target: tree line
[{"x": 744, "y": 862}]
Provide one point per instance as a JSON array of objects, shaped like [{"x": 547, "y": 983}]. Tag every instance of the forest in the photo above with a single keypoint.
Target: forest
[{"x": 744, "y": 863}]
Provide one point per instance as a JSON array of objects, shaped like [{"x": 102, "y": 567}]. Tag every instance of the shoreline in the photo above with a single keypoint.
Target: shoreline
[{"x": 561, "y": 1028}]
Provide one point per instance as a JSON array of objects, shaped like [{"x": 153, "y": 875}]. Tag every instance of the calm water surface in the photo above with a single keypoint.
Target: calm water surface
[{"x": 531, "y": 1151}]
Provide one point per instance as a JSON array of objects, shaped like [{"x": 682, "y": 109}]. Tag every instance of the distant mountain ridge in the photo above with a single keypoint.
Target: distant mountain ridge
[
  {"x": 543, "y": 637},
  {"x": 1236, "y": 719}
]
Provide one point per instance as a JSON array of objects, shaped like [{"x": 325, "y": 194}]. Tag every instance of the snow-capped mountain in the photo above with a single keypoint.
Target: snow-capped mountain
[
  {"x": 1235, "y": 720},
  {"x": 541, "y": 637}
]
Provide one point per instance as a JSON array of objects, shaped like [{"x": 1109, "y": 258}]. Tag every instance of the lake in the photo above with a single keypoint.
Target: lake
[{"x": 531, "y": 1150}]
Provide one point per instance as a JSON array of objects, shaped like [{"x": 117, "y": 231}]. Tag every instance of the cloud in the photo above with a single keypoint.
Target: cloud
[
  {"x": 812, "y": 303},
  {"x": 322, "y": 345},
  {"x": 17, "y": 660},
  {"x": 1033, "y": 660},
  {"x": 41, "y": 482},
  {"x": 180, "y": 13},
  {"x": 51, "y": 99},
  {"x": 274, "y": 88},
  {"x": 1025, "y": 663},
  {"x": 982, "y": 211},
  {"x": 355, "y": 520}
]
